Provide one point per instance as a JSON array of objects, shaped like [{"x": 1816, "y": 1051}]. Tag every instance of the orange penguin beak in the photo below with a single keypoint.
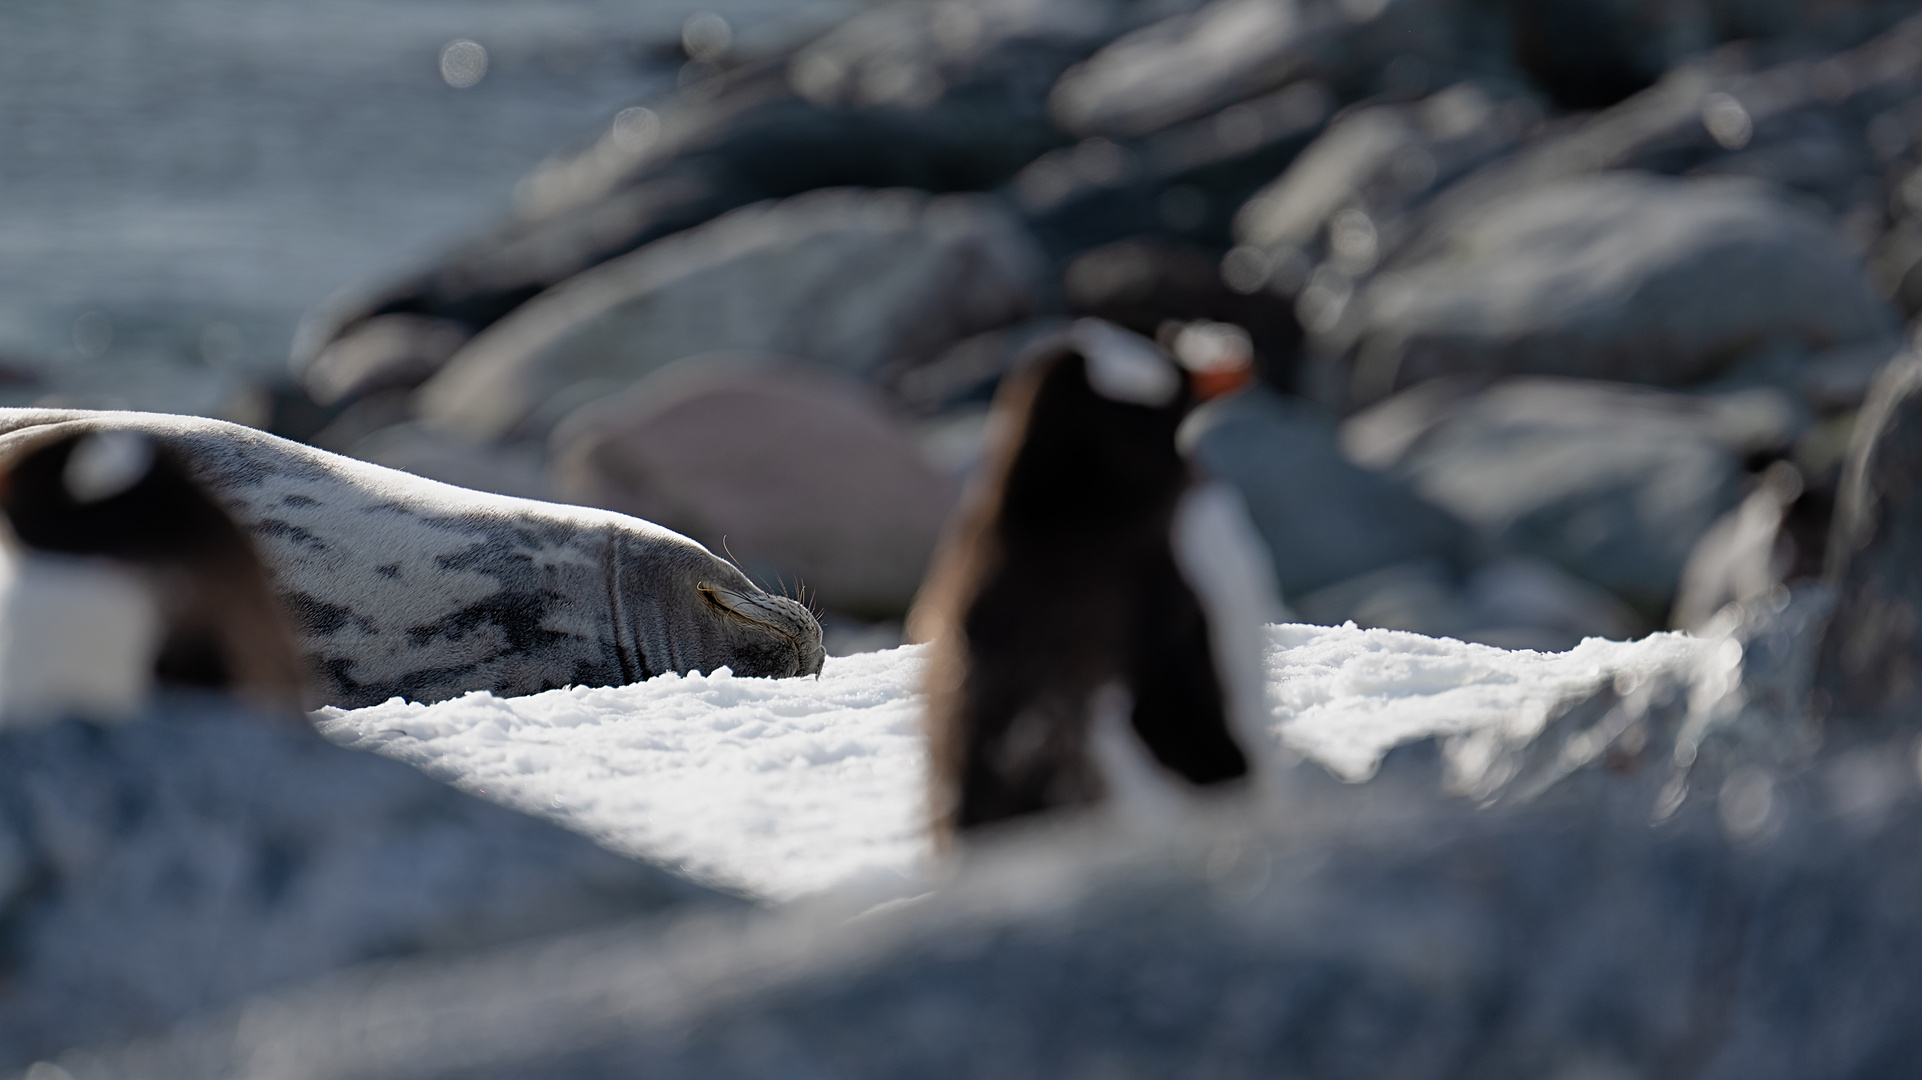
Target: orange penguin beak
[{"x": 1219, "y": 358}]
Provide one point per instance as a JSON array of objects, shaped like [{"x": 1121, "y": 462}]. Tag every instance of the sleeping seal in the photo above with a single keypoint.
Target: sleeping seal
[
  {"x": 401, "y": 586},
  {"x": 1083, "y": 608}
]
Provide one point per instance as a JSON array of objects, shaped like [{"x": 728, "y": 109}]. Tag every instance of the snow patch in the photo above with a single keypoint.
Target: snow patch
[{"x": 784, "y": 787}]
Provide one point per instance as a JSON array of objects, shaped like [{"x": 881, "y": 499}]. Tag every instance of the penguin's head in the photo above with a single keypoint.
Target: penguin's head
[
  {"x": 124, "y": 504},
  {"x": 1086, "y": 430}
]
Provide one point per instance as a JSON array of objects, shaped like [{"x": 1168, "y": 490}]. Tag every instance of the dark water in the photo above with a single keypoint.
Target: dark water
[{"x": 181, "y": 179}]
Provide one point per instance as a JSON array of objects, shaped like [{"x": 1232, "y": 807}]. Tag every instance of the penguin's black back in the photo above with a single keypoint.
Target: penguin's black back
[
  {"x": 224, "y": 629},
  {"x": 1061, "y": 577}
]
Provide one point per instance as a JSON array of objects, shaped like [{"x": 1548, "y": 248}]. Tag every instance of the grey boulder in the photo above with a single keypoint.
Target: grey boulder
[
  {"x": 852, "y": 279},
  {"x": 1182, "y": 182},
  {"x": 1795, "y": 123},
  {"x": 1511, "y": 602},
  {"x": 1615, "y": 276},
  {"x": 1323, "y": 518},
  {"x": 1353, "y": 195},
  {"x": 1870, "y": 662},
  {"x": 1613, "y": 483},
  {"x": 1192, "y": 64},
  {"x": 1744, "y": 556},
  {"x": 453, "y": 459},
  {"x": 797, "y": 472},
  {"x": 385, "y": 352},
  {"x": 920, "y": 94},
  {"x": 156, "y": 869}
]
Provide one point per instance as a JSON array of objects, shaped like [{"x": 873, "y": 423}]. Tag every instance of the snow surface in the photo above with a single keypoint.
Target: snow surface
[{"x": 783, "y": 787}]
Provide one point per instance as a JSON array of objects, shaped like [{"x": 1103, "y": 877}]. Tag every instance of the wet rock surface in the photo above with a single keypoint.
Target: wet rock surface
[
  {"x": 934, "y": 96},
  {"x": 1390, "y": 200},
  {"x": 849, "y": 279},
  {"x": 1190, "y": 65},
  {"x": 1324, "y": 518},
  {"x": 1613, "y": 483},
  {"x": 1619, "y": 277},
  {"x": 1871, "y": 671},
  {"x": 799, "y": 474},
  {"x": 156, "y": 869}
]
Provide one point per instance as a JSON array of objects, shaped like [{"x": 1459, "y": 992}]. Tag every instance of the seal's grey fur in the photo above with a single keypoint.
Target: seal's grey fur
[{"x": 401, "y": 586}]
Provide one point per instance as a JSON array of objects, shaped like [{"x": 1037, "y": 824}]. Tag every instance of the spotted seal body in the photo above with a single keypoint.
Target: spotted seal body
[{"x": 401, "y": 586}]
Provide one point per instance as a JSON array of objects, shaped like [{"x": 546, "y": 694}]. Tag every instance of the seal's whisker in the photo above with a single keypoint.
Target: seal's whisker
[
  {"x": 736, "y": 563},
  {"x": 801, "y": 589}
]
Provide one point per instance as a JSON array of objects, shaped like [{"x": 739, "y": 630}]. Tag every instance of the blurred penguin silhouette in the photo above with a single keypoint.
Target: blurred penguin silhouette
[
  {"x": 1091, "y": 600},
  {"x": 148, "y": 580}
]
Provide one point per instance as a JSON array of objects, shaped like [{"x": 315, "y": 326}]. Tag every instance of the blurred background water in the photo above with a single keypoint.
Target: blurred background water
[{"x": 181, "y": 179}]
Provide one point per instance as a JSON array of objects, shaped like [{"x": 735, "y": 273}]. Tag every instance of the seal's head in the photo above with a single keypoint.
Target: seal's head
[{"x": 766, "y": 635}]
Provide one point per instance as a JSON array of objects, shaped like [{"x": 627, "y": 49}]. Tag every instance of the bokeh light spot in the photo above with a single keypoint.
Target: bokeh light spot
[
  {"x": 706, "y": 36},
  {"x": 1727, "y": 121},
  {"x": 636, "y": 129},
  {"x": 463, "y": 63},
  {"x": 92, "y": 333}
]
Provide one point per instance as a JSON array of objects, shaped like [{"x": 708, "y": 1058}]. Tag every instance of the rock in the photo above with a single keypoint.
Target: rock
[
  {"x": 1324, "y": 519},
  {"x": 1513, "y": 603},
  {"x": 1615, "y": 276},
  {"x": 1589, "y": 55},
  {"x": 1195, "y": 63},
  {"x": 414, "y": 448},
  {"x": 1897, "y": 263},
  {"x": 1373, "y": 168},
  {"x": 1374, "y": 932},
  {"x": 850, "y": 279},
  {"x": 477, "y": 283},
  {"x": 386, "y": 352},
  {"x": 1828, "y": 131},
  {"x": 1795, "y": 123},
  {"x": 160, "y": 868},
  {"x": 797, "y": 473},
  {"x": 966, "y": 373},
  {"x": 955, "y": 442},
  {"x": 986, "y": 57},
  {"x": 927, "y": 95},
  {"x": 1613, "y": 483},
  {"x": 1420, "y": 595},
  {"x": 1182, "y": 183},
  {"x": 1528, "y": 603},
  {"x": 1744, "y": 555},
  {"x": 1870, "y": 666}
]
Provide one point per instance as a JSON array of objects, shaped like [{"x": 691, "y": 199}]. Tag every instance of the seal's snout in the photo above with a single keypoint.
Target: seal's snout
[{"x": 788, "y": 622}]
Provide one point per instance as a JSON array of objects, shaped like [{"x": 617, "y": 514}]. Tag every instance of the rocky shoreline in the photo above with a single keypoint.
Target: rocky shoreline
[
  {"x": 1536, "y": 295},
  {"x": 1532, "y": 323}
]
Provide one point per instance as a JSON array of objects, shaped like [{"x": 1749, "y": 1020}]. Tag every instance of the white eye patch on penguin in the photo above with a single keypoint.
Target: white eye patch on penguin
[
  {"x": 1059, "y": 591},
  {"x": 1125, "y": 367}
]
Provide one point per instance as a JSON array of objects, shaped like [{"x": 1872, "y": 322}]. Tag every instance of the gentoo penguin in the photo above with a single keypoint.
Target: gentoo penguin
[
  {"x": 1087, "y": 590},
  {"x": 122, "y": 504}
]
